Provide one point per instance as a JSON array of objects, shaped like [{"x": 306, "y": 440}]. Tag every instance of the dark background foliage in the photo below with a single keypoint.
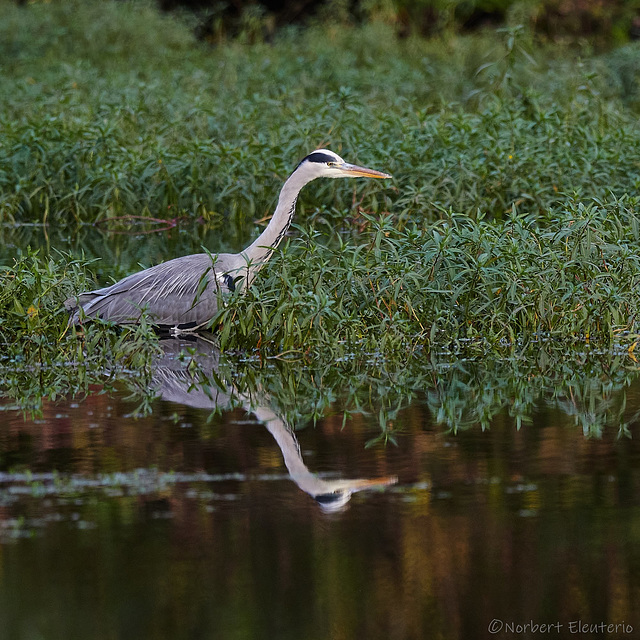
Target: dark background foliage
[{"x": 605, "y": 20}]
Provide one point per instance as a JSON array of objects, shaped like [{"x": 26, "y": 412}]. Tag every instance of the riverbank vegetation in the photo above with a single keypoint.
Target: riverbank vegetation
[
  {"x": 461, "y": 381},
  {"x": 477, "y": 124},
  {"x": 512, "y": 218}
]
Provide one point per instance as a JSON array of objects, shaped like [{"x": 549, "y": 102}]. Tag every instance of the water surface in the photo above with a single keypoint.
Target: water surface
[{"x": 219, "y": 514}]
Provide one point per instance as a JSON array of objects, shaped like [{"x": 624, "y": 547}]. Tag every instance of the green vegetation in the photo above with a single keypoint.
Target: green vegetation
[
  {"x": 497, "y": 285},
  {"x": 88, "y": 135},
  {"x": 513, "y": 217},
  {"x": 41, "y": 357}
]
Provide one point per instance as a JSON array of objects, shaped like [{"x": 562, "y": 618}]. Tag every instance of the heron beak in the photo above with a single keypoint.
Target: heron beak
[
  {"x": 371, "y": 483},
  {"x": 359, "y": 484},
  {"x": 356, "y": 171}
]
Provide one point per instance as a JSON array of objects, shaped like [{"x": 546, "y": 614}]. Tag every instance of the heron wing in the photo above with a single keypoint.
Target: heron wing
[{"x": 182, "y": 291}]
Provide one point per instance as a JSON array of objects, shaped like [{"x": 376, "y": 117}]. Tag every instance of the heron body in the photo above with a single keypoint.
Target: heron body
[{"x": 184, "y": 292}]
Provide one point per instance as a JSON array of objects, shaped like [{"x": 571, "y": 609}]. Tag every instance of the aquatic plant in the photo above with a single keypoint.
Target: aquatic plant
[
  {"x": 41, "y": 356},
  {"x": 460, "y": 283},
  {"x": 511, "y": 220},
  {"x": 467, "y": 286},
  {"x": 212, "y": 133}
]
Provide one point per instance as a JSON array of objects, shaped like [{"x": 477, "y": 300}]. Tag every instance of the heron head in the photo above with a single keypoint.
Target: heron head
[
  {"x": 335, "y": 494},
  {"x": 327, "y": 164}
]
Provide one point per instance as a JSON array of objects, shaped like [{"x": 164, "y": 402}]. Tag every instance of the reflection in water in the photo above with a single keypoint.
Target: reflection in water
[
  {"x": 183, "y": 523},
  {"x": 179, "y": 381}
]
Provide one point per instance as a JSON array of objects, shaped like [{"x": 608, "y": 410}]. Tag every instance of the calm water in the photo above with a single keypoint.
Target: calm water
[
  {"x": 472, "y": 493},
  {"x": 188, "y": 523}
]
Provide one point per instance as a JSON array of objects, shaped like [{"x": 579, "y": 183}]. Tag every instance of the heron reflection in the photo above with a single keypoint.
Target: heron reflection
[{"x": 188, "y": 373}]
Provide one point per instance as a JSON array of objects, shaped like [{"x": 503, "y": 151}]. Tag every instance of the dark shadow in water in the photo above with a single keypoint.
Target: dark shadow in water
[{"x": 179, "y": 379}]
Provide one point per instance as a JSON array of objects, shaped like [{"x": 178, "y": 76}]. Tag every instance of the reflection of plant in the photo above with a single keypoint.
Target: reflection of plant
[
  {"x": 590, "y": 387},
  {"x": 459, "y": 393}
]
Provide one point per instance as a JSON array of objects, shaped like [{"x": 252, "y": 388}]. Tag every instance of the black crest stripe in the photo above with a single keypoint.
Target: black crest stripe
[{"x": 318, "y": 156}]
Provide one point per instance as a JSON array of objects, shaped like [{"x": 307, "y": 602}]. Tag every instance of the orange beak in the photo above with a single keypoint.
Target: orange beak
[{"x": 356, "y": 171}]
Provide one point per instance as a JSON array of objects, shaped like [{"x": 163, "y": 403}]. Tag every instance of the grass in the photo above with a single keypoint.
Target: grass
[
  {"x": 41, "y": 357},
  {"x": 213, "y": 132},
  {"x": 513, "y": 216},
  {"x": 495, "y": 286}
]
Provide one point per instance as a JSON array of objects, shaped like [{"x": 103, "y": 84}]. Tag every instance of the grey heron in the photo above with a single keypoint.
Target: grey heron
[{"x": 183, "y": 293}]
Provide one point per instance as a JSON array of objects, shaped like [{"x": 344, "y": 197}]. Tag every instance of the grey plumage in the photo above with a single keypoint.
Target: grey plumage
[
  {"x": 180, "y": 292},
  {"x": 185, "y": 292}
]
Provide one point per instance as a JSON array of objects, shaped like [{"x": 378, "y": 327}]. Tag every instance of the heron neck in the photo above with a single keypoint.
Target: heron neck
[
  {"x": 290, "y": 449},
  {"x": 259, "y": 251}
]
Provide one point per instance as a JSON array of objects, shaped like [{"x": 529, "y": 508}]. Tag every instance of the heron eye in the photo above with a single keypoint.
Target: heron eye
[{"x": 331, "y": 164}]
